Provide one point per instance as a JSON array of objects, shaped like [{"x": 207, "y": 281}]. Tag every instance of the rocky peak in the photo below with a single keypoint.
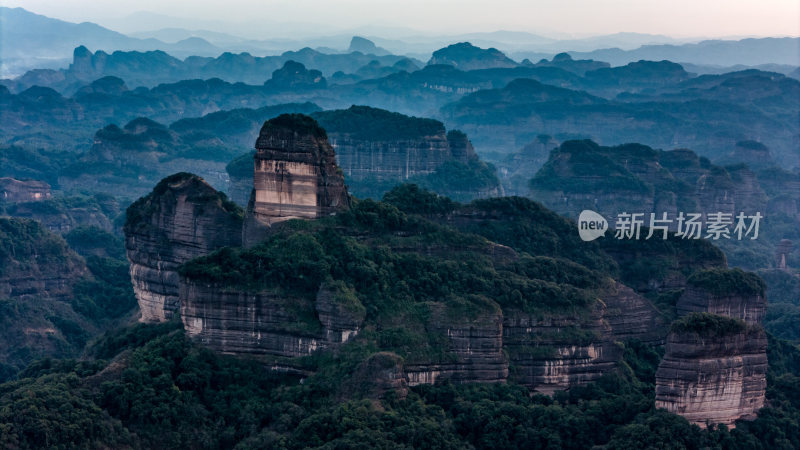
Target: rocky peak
[
  {"x": 181, "y": 219},
  {"x": 466, "y": 56},
  {"x": 365, "y": 46},
  {"x": 726, "y": 292},
  {"x": 714, "y": 370},
  {"x": 294, "y": 75},
  {"x": 296, "y": 175}
]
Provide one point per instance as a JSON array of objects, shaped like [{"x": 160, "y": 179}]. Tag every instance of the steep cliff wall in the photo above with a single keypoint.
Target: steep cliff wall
[
  {"x": 635, "y": 178},
  {"x": 713, "y": 373},
  {"x": 268, "y": 321},
  {"x": 234, "y": 321},
  {"x": 730, "y": 293},
  {"x": 181, "y": 219},
  {"x": 62, "y": 215},
  {"x": 295, "y": 175},
  {"x": 559, "y": 351},
  {"x": 377, "y": 149},
  {"x": 714, "y": 369},
  {"x": 471, "y": 347}
]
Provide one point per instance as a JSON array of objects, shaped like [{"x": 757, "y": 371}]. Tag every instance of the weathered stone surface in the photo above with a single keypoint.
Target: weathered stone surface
[
  {"x": 750, "y": 307},
  {"x": 554, "y": 353},
  {"x": 631, "y": 316},
  {"x": 17, "y": 191},
  {"x": 717, "y": 379},
  {"x": 241, "y": 321},
  {"x": 377, "y": 375},
  {"x": 295, "y": 174},
  {"x": 61, "y": 218},
  {"x": 235, "y": 321},
  {"x": 473, "y": 348},
  {"x": 339, "y": 311},
  {"x": 181, "y": 219}
]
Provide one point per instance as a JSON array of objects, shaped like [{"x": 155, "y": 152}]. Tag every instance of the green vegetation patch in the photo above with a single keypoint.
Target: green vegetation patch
[
  {"x": 373, "y": 124},
  {"x": 723, "y": 282},
  {"x": 708, "y": 325}
]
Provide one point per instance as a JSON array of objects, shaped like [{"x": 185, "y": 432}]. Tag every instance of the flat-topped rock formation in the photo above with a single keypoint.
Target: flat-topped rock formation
[
  {"x": 715, "y": 366},
  {"x": 295, "y": 174},
  {"x": 377, "y": 149},
  {"x": 714, "y": 370},
  {"x": 725, "y": 292},
  {"x": 17, "y": 191},
  {"x": 182, "y": 218}
]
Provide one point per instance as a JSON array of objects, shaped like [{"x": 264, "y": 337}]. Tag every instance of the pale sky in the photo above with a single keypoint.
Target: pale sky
[{"x": 677, "y": 18}]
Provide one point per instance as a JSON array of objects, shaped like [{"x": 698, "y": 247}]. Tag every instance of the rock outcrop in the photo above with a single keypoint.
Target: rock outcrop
[
  {"x": 472, "y": 347},
  {"x": 730, "y": 293},
  {"x": 182, "y": 218},
  {"x": 267, "y": 322},
  {"x": 555, "y": 353},
  {"x": 262, "y": 323},
  {"x": 18, "y": 191},
  {"x": 713, "y": 376},
  {"x": 377, "y": 149},
  {"x": 560, "y": 351},
  {"x": 62, "y": 215},
  {"x": 295, "y": 175},
  {"x": 714, "y": 369}
]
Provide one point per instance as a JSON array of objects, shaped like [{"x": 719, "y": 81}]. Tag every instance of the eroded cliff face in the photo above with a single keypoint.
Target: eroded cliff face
[
  {"x": 714, "y": 369},
  {"x": 390, "y": 160},
  {"x": 560, "y": 351},
  {"x": 472, "y": 343},
  {"x": 716, "y": 379},
  {"x": 635, "y": 178},
  {"x": 749, "y": 307},
  {"x": 268, "y": 322},
  {"x": 182, "y": 218},
  {"x": 295, "y": 175}
]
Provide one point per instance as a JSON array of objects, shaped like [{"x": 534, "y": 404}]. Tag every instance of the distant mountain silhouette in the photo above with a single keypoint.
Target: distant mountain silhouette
[
  {"x": 29, "y": 38},
  {"x": 466, "y": 56}
]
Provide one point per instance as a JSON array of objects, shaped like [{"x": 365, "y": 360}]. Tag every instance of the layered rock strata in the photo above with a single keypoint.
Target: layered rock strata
[
  {"x": 473, "y": 348},
  {"x": 182, "y": 218},
  {"x": 295, "y": 174},
  {"x": 714, "y": 369},
  {"x": 713, "y": 379},
  {"x": 232, "y": 320}
]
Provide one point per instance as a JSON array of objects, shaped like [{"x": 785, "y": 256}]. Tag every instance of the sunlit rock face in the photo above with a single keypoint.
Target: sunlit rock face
[
  {"x": 713, "y": 380},
  {"x": 181, "y": 219},
  {"x": 295, "y": 175}
]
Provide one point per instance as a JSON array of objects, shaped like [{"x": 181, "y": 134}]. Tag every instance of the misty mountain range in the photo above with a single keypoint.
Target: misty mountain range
[{"x": 30, "y": 40}]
